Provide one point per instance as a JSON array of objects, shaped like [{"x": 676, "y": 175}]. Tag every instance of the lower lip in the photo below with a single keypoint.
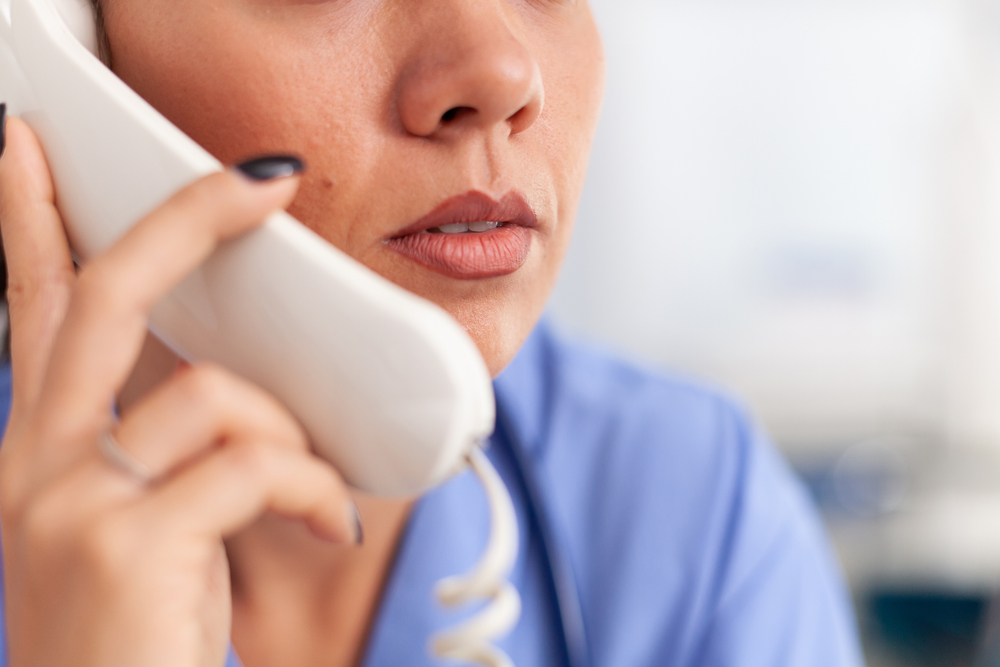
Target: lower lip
[{"x": 471, "y": 255}]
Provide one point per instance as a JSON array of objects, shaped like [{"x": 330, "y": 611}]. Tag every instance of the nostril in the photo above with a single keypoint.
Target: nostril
[{"x": 456, "y": 112}]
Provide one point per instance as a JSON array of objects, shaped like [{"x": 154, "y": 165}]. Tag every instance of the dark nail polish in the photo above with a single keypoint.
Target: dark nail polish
[
  {"x": 271, "y": 167},
  {"x": 3, "y": 127},
  {"x": 359, "y": 533}
]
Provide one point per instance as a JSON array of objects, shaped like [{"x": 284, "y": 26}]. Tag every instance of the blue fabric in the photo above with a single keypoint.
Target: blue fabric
[{"x": 689, "y": 540}]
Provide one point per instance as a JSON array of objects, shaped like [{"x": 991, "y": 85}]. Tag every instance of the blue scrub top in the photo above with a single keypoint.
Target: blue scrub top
[{"x": 686, "y": 538}]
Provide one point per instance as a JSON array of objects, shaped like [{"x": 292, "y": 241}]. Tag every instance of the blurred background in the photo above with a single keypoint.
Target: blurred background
[{"x": 800, "y": 201}]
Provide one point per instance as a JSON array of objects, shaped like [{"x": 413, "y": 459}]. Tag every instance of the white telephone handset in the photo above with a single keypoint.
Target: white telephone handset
[
  {"x": 396, "y": 414},
  {"x": 389, "y": 387}
]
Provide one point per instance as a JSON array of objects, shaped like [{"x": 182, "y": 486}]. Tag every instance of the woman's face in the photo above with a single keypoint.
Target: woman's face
[{"x": 416, "y": 117}]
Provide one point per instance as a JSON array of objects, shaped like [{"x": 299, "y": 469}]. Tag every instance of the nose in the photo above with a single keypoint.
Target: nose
[{"x": 468, "y": 70}]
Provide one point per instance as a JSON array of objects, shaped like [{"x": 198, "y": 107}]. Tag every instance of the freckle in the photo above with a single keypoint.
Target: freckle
[{"x": 327, "y": 183}]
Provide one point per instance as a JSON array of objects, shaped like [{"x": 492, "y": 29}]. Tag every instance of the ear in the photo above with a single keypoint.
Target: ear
[{"x": 79, "y": 18}]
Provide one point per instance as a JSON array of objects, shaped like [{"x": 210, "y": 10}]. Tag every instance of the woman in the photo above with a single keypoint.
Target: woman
[{"x": 649, "y": 504}]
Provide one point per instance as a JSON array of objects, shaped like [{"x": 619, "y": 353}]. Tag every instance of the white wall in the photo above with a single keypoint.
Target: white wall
[{"x": 795, "y": 200}]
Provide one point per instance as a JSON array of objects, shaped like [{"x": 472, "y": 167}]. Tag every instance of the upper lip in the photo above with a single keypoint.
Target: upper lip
[{"x": 475, "y": 206}]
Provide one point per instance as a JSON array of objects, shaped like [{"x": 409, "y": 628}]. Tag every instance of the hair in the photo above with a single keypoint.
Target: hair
[{"x": 103, "y": 46}]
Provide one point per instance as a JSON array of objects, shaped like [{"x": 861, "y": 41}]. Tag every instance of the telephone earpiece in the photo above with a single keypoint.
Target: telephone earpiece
[
  {"x": 390, "y": 388},
  {"x": 79, "y": 18}
]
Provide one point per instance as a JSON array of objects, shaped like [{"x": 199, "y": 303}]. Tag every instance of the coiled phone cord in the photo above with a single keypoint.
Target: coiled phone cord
[{"x": 471, "y": 640}]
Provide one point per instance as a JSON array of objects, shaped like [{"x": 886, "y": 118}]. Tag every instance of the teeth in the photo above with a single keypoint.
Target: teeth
[
  {"x": 483, "y": 226},
  {"x": 463, "y": 227}
]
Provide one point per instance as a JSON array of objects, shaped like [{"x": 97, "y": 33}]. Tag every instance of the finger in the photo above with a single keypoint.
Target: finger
[
  {"x": 155, "y": 364},
  {"x": 40, "y": 270},
  {"x": 106, "y": 322},
  {"x": 200, "y": 407},
  {"x": 234, "y": 486}
]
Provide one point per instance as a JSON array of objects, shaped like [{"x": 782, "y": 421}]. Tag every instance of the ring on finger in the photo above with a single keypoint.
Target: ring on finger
[{"x": 119, "y": 459}]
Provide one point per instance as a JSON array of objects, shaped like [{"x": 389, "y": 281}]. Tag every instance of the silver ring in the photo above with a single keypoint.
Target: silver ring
[{"x": 121, "y": 460}]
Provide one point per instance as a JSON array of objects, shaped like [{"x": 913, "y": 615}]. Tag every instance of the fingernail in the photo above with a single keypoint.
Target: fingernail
[
  {"x": 271, "y": 167},
  {"x": 3, "y": 127},
  {"x": 359, "y": 533}
]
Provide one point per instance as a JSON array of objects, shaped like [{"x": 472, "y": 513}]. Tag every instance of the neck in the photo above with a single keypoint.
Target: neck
[{"x": 299, "y": 600}]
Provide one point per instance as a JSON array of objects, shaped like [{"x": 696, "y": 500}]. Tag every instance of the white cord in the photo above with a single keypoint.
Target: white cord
[{"x": 471, "y": 640}]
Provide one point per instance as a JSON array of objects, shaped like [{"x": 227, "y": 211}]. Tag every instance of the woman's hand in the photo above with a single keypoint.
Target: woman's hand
[{"x": 101, "y": 568}]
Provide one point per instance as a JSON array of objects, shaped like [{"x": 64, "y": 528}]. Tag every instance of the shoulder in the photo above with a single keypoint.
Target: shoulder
[
  {"x": 684, "y": 523},
  {"x": 598, "y": 420}
]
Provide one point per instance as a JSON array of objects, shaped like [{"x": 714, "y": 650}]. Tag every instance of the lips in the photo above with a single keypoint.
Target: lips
[{"x": 471, "y": 236}]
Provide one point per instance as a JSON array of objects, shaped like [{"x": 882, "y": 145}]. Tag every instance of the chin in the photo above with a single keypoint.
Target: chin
[
  {"x": 497, "y": 338},
  {"x": 498, "y": 313},
  {"x": 498, "y": 325}
]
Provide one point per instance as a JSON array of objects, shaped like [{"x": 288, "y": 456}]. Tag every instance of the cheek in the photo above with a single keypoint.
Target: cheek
[
  {"x": 241, "y": 88},
  {"x": 575, "y": 89},
  {"x": 574, "y": 72},
  {"x": 258, "y": 90}
]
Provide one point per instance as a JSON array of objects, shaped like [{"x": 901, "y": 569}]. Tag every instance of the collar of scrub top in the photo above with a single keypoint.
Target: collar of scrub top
[{"x": 449, "y": 526}]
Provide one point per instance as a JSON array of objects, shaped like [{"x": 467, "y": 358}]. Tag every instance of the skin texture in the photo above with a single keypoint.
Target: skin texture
[
  {"x": 397, "y": 106},
  {"x": 528, "y": 72}
]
